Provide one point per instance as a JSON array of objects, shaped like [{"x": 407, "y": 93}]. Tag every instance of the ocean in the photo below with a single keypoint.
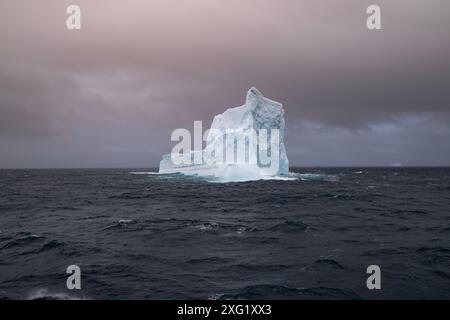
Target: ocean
[{"x": 138, "y": 235}]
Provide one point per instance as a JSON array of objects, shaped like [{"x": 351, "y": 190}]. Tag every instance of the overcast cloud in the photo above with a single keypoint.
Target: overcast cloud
[{"x": 110, "y": 94}]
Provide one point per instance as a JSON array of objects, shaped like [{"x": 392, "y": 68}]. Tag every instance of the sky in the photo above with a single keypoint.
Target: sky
[{"x": 110, "y": 94}]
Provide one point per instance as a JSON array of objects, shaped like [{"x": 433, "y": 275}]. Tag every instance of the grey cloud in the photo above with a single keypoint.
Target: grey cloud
[{"x": 112, "y": 93}]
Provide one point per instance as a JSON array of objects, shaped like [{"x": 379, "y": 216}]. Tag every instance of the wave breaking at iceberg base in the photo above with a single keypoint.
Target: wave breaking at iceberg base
[
  {"x": 291, "y": 176},
  {"x": 225, "y": 172}
]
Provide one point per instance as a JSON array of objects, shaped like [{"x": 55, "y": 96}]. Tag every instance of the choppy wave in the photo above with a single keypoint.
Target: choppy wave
[
  {"x": 22, "y": 241},
  {"x": 45, "y": 294},
  {"x": 275, "y": 292},
  {"x": 151, "y": 236},
  {"x": 121, "y": 224}
]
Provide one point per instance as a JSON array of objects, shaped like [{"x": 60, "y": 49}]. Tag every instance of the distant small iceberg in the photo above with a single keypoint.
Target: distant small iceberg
[{"x": 396, "y": 165}]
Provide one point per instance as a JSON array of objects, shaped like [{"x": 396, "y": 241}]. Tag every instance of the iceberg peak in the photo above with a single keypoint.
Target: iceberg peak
[{"x": 253, "y": 94}]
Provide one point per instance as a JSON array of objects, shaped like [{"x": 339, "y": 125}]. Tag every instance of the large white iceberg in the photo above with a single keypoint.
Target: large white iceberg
[{"x": 244, "y": 143}]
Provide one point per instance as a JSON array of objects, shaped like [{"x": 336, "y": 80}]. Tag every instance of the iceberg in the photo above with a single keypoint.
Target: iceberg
[{"x": 244, "y": 143}]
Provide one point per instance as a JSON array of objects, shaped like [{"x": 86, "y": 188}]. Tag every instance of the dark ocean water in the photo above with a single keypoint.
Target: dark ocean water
[{"x": 150, "y": 236}]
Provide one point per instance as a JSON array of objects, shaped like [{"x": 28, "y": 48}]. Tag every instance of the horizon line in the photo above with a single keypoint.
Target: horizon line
[{"x": 291, "y": 167}]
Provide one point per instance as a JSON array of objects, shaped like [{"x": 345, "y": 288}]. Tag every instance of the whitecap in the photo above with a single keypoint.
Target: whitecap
[
  {"x": 317, "y": 177},
  {"x": 280, "y": 178},
  {"x": 215, "y": 296},
  {"x": 45, "y": 294}
]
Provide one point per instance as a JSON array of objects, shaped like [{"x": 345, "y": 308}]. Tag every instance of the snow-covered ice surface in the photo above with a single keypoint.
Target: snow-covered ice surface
[{"x": 256, "y": 115}]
